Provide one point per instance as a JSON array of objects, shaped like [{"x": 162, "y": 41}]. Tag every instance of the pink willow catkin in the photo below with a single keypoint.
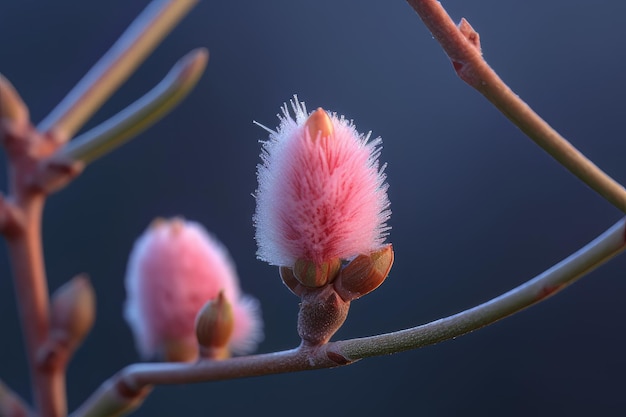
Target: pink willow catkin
[
  {"x": 321, "y": 197},
  {"x": 175, "y": 267}
]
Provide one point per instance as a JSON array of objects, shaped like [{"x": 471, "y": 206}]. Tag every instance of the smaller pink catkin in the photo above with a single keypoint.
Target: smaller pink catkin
[
  {"x": 319, "y": 198},
  {"x": 175, "y": 267}
]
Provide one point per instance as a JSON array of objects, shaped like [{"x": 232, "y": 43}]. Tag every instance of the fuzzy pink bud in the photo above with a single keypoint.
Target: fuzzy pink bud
[
  {"x": 176, "y": 267},
  {"x": 322, "y": 195}
]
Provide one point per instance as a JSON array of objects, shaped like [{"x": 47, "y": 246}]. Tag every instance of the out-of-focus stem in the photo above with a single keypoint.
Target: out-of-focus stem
[
  {"x": 139, "y": 115},
  {"x": 11, "y": 405},
  {"x": 135, "y": 44},
  {"x": 26, "y": 254},
  {"x": 462, "y": 46},
  {"x": 135, "y": 378},
  {"x": 28, "y": 154},
  {"x": 11, "y": 105}
]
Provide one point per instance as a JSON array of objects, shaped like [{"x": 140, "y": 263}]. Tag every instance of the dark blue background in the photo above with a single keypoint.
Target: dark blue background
[{"x": 477, "y": 207}]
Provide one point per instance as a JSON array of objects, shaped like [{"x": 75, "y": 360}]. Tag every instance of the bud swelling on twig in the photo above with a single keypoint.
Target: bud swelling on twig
[
  {"x": 364, "y": 274},
  {"x": 12, "y": 106},
  {"x": 73, "y": 311},
  {"x": 176, "y": 267},
  {"x": 15, "y": 124},
  {"x": 214, "y": 327}
]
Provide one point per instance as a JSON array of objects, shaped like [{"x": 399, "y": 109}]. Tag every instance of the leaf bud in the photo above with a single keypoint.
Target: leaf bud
[
  {"x": 315, "y": 275},
  {"x": 73, "y": 311},
  {"x": 215, "y": 323},
  {"x": 12, "y": 107},
  {"x": 364, "y": 274}
]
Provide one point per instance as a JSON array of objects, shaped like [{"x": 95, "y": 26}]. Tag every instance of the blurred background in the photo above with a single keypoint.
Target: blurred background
[{"x": 477, "y": 207}]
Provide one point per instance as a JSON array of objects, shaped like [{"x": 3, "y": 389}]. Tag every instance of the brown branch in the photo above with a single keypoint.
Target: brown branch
[
  {"x": 131, "y": 383},
  {"x": 129, "y": 386},
  {"x": 461, "y": 44},
  {"x": 33, "y": 175}
]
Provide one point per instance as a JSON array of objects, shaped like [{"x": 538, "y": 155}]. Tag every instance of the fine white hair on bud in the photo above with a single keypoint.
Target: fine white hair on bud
[{"x": 322, "y": 194}]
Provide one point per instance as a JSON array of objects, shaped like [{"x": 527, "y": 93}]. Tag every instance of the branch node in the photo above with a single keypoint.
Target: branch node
[
  {"x": 54, "y": 174},
  {"x": 15, "y": 137},
  {"x": 127, "y": 391},
  {"x": 11, "y": 218},
  {"x": 470, "y": 34},
  {"x": 53, "y": 355},
  {"x": 338, "y": 358}
]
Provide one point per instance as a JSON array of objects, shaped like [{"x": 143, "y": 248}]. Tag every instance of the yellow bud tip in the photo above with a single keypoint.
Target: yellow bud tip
[
  {"x": 319, "y": 123},
  {"x": 175, "y": 225}
]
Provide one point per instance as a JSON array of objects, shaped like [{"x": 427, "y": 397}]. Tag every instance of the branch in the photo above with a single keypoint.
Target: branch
[
  {"x": 31, "y": 288},
  {"x": 131, "y": 49},
  {"x": 133, "y": 381},
  {"x": 33, "y": 175},
  {"x": 462, "y": 46},
  {"x": 120, "y": 393},
  {"x": 139, "y": 115},
  {"x": 11, "y": 405},
  {"x": 580, "y": 263},
  {"x": 20, "y": 223}
]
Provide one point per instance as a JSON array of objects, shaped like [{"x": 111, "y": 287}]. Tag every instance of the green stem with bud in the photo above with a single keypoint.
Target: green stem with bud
[{"x": 133, "y": 380}]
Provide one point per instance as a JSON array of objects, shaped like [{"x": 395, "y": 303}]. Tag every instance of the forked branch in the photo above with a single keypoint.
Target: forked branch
[{"x": 104, "y": 78}]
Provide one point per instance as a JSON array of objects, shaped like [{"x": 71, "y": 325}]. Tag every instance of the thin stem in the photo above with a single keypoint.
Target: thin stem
[
  {"x": 132, "y": 380},
  {"x": 105, "y": 77},
  {"x": 11, "y": 405},
  {"x": 594, "y": 254},
  {"x": 139, "y": 115},
  {"x": 462, "y": 46},
  {"x": 26, "y": 254}
]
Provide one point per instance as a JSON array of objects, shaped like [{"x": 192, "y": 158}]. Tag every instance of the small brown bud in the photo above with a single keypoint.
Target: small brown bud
[
  {"x": 289, "y": 279},
  {"x": 319, "y": 123},
  {"x": 313, "y": 275},
  {"x": 73, "y": 311},
  {"x": 11, "y": 105},
  {"x": 364, "y": 274},
  {"x": 214, "y": 327}
]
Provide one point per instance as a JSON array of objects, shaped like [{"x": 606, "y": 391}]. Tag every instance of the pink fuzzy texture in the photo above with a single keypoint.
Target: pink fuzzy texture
[
  {"x": 175, "y": 267},
  {"x": 319, "y": 198}
]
